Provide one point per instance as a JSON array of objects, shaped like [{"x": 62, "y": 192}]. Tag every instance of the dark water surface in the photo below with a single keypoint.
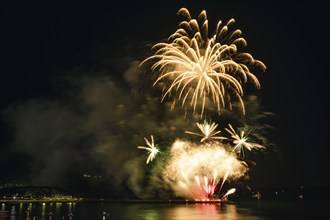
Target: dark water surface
[{"x": 148, "y": 211}]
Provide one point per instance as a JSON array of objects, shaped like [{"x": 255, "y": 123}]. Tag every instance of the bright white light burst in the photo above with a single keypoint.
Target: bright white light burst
[
  {"x": 241, "y": 141},
  {"x": 152, "y": 150},
  {"x": 208, "y": 131},
  {"x": 196, "y": 170}
]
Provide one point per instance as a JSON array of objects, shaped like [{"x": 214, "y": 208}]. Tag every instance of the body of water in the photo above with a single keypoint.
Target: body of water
[{"x": 253, "y": 209}]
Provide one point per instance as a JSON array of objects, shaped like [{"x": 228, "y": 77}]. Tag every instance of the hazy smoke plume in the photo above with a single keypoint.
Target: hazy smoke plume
[
  {"x": 86, "y": 139},
  {"x": 90, "y": 135}
]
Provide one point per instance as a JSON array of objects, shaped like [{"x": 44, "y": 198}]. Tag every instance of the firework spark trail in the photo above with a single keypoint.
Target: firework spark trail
[
  {"x": 194, "y": 171},
  {"x": 208, "y": 132},
  {"x": 231, "y": 191},
  {"x": 241, "y": 141},
  {"x": 152, "y": 149},
  {"x": 198, "y": 68}
]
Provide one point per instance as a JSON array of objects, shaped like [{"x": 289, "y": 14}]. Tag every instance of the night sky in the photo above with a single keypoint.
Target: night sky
[{"x": 67, "y": 68}]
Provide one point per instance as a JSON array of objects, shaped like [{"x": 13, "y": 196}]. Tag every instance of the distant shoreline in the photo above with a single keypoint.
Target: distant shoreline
[{"x": 110, "y": 201}]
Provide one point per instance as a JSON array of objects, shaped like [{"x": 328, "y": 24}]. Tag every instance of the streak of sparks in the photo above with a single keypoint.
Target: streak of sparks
[
  {"x": 241, "y": 141},
  {"x": 201, "y": 69},
  {"x": 208, "y": 131},
  {"x": 231, "y": 191},
  {"x": 152, "y": 150}
]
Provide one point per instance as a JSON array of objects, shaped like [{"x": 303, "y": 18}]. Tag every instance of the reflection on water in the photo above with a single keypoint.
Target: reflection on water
[
  {"x": 104, "y": 211},
  {"x": 150, "y": 211},
  {"x": 211, "y": 211},
  {"x": 190, "y": 211},
  {"x": 37, "y": 211}
]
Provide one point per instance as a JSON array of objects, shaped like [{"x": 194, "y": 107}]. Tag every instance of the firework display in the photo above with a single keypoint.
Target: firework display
[
  {"x": 195, "y": 170},
  {"x": 202, "y": 71},
  {"x": 240, "y": 141},
  {"x": 197, "y": 69},
  {"x": 208, "y": 131},
  {"x": 152, "y": 150}
]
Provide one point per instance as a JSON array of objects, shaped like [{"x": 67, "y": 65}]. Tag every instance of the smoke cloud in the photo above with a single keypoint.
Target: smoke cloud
[
  {"x": 90, "y": 135},
  {"x": 86, "y": 139}
]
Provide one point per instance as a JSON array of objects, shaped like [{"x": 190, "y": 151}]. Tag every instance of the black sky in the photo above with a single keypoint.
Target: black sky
[{"x": 40, "y": 43}]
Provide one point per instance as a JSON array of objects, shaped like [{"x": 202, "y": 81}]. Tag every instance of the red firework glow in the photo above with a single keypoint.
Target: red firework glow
[{"x": 206, "y": 186}]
